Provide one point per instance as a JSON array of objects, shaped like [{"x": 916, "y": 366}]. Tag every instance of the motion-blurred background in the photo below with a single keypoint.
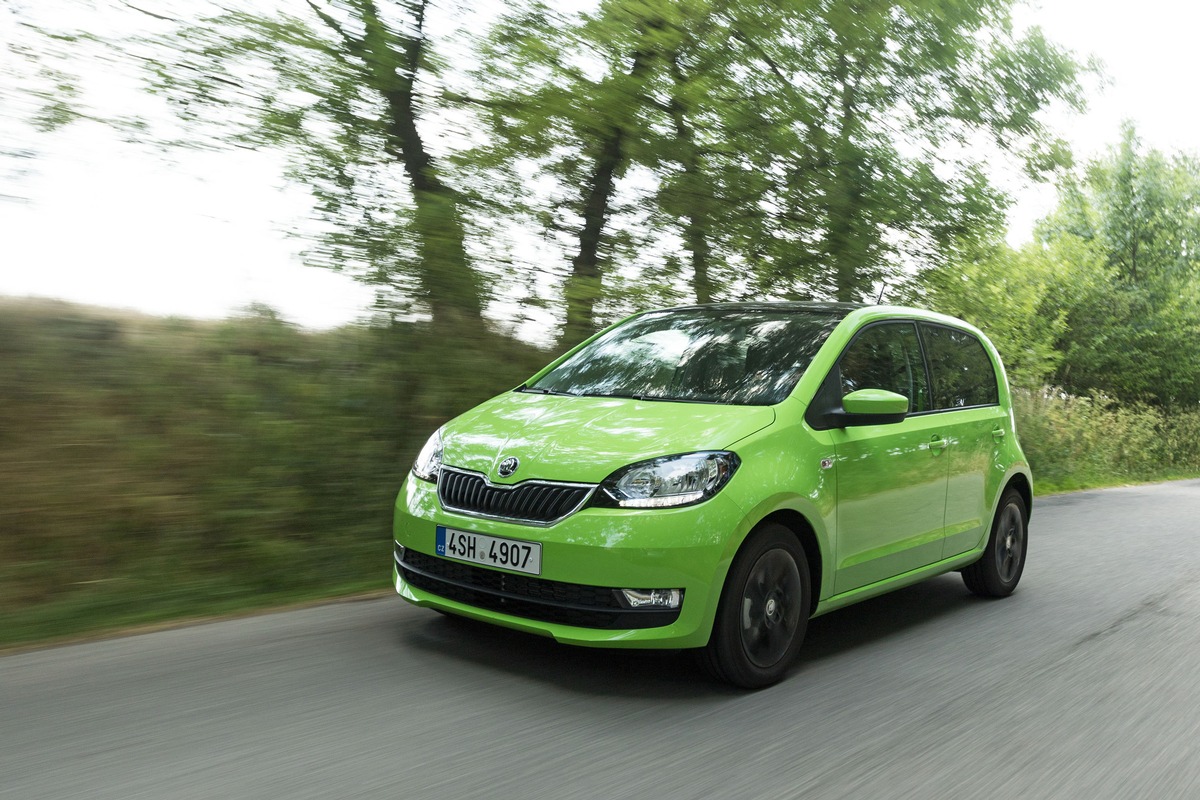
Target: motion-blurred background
[{"x": 332, "y": 225}]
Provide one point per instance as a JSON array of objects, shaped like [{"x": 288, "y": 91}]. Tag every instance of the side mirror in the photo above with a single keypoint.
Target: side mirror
[
  {"x": 871, "y": 407},
  {"x": 875, "y": 401}
]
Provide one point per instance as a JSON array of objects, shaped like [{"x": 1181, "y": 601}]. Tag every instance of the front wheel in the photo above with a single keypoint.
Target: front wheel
[
  {"x": 763, "y": 612},
  {"x": 996, "y": 574}
]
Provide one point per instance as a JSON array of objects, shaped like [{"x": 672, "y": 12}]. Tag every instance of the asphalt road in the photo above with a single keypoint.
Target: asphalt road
[{"x": 1084, "y": 684}]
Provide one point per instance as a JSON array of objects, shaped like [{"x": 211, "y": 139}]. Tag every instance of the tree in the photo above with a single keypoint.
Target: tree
[
  {"x": 1022, "y": 298},
  {"x": 786, "y": 148},
  {"x": 568, "y": 99},
  {"x": 343, "y": 91},
  {"x": 1131, "y": 332},
  {"x": 799, "y": 149},
  {"x": 889, "y": 96}
]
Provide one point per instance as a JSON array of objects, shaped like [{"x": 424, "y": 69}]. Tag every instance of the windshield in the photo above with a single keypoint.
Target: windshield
[{"x": 736, "y": 356}]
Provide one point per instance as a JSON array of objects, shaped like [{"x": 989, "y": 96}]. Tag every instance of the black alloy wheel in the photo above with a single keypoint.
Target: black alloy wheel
[
  {"x": 998, "y": 571},
  {"x": 763, "y": 613}
]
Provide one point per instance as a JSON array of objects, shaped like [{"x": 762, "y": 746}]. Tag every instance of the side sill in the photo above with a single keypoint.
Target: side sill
[{"x": 905, "y": 579}]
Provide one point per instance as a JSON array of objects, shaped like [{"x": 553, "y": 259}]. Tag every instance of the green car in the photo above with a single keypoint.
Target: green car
[{"x": 713, "y": 476}]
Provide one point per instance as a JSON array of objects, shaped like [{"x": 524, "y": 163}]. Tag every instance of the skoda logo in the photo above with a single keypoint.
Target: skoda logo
[{"x": 508, "y": 466}]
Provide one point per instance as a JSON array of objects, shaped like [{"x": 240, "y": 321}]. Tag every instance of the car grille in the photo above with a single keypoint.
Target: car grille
[
  {"x": 538, "y": 502},
  {"x": 574, "y": 604}
]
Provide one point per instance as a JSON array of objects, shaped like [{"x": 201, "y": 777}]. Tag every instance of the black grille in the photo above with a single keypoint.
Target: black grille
[
  {"x": 531, "y": 501},
  {"x": 526, "y": 596}
]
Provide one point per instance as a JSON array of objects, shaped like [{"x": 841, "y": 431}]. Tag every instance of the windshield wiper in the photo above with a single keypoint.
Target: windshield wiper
[
  {"x": 662, "y": 398},
  {"x": 630, "y": 396},
  {"x": 652, "y": 398},
  {"x": 538, "y": 390}
]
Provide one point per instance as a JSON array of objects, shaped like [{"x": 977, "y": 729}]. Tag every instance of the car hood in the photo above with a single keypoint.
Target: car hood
[{"x": 584, "y": 439}]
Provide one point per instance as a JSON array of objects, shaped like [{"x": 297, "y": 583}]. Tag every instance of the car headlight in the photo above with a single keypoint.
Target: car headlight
[
  {"x": 668, "y": 481},
  {"x": 429, "y": 460}
]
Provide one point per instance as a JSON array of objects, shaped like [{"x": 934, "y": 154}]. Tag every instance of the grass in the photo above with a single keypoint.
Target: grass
[{"x": 118, "y": 610}]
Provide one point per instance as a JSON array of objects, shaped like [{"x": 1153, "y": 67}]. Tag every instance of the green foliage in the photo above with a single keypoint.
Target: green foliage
[
  {"x": 1136, "y": 344},
  {"x": 1106, "y": 301},
  {"x": 1131, "y": 331},
  {"x": 337, "y": 90},
  {"x": 1077, "y": 442},
  {"x": 797, "y": 149},
  {"x": 163, "y": 467},
  {"x": 1021, "y": 298},
  {"x": 1140, "y": 208},
  {"x": 788, "y": 148}
]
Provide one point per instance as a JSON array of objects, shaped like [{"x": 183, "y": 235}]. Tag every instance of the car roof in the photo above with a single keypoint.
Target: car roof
[
  {"x": 858, "y": 314},
  {"x": 772, "y": 305}
]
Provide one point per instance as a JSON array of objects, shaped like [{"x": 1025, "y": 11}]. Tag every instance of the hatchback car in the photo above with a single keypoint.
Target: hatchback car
[{"x": 713, "y": 476}]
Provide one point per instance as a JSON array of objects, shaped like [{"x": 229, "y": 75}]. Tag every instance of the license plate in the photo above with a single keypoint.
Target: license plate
[{"x": 491, "y": 551}]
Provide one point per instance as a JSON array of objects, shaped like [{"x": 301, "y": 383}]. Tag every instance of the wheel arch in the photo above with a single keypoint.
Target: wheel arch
[
  {"x": 803, "y": 530},
  {"x": 1020, "y": 481}
]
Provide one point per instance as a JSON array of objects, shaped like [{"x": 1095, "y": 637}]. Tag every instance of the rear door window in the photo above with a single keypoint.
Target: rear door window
[{"x": 961, "y": 371}]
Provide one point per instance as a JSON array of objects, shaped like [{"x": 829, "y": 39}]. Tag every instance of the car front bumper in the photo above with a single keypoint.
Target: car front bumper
[{"x": 593, "y": 549}]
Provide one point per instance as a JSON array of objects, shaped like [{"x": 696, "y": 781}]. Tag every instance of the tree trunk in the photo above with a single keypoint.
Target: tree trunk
[
  {"x": 585, "y": 284},
  {"x": 448, "y": 284},
  {"x": 697, "y": 223},
  {"x": 844, "y": 242}
]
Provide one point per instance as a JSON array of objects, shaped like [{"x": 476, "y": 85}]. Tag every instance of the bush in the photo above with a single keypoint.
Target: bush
[
  {"x": 1073, "y": 442},
  {"x": 162, "y": 467}
]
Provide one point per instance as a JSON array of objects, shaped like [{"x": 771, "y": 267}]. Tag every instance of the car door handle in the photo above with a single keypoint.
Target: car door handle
[
  {"x": 937, "y": 444},
  {"x": 998, "y": 434}
]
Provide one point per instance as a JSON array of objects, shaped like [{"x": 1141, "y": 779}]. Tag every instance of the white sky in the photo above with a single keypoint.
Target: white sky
[
  {"x": 1147, "y": 49},
  {"x": 113, "y": 224}
]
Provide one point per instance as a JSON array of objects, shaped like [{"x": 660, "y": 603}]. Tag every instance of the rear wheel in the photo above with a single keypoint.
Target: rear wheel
[
  {"x": 997, "y": 573},
  {"x": 763, "y": 612}
]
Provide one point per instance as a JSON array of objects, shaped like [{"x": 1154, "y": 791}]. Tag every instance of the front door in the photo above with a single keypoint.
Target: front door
[{"x": 891, "y": 479}]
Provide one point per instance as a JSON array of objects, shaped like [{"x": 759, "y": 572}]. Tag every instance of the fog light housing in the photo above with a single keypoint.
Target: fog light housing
[{"x": 653, "y": 598}]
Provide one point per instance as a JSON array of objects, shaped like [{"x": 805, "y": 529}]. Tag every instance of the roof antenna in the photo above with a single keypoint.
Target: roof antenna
[{"x": 882, "y": 288}]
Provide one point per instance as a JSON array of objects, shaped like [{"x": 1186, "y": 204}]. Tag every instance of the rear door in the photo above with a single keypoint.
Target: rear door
[{"x": 967, "y": 404}]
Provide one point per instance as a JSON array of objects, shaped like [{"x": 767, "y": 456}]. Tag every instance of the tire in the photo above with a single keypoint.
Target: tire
[
  {"x": 763, "y": 612},
  {"x": 999, "y": 570}
]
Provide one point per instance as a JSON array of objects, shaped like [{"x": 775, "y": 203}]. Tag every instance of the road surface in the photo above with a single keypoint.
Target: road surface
[{"x": 1084, "y": 684}]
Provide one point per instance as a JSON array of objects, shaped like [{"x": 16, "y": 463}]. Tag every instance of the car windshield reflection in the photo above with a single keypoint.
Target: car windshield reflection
[{"x": 733, "y": 355}]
